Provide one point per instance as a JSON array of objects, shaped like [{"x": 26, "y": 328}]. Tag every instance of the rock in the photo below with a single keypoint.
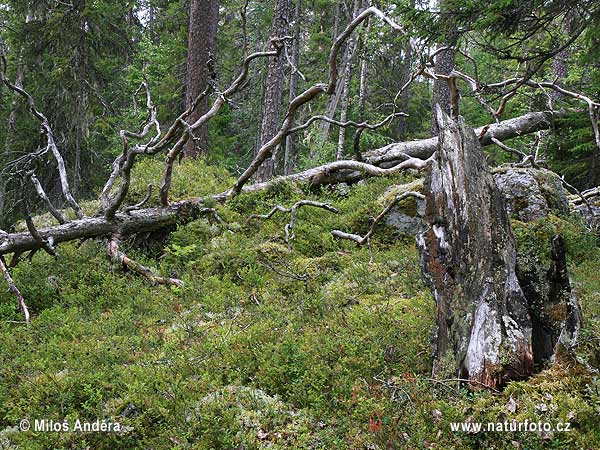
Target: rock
[
  {"x": 407, "y": 216},
  {"x": 592, "y": 218},
  {"x": 531, "y": 194}
]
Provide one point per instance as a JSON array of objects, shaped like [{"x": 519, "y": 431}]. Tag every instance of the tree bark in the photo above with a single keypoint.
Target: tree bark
[
  {"x": 444, "y": 63},
  {"x": 468, "y": 258},
  {"x": 202, "y": 35},
  {"x": 407, "y": 61},
  {"x": 271, "y": 119},
  {"x": 289, "y": 157},
  {"x": 334, "y": 100},
  {"x": 347, "y": 76}
]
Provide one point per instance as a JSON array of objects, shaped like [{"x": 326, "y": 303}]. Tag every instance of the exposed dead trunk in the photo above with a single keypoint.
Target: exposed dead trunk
[
  {"x": 202, "y": 34},
  {"x": 444, "y": 63},
  {"x": 271, "y": 110},
  {"x": 468, "y": 257}
]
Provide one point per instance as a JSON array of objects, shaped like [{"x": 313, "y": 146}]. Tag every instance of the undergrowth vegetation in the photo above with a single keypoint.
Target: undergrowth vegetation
[{"x": 268, "y": 345}]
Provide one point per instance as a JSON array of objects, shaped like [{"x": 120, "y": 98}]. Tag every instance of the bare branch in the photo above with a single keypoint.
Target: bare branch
[
  {"x": 505, "y": 147},
  {"x": 289, "y": 227},
  {"x": 118, "y": 257},
  {"x": 47, "y": 245},
  {"x": 366, "y": 239},
  {"x": 217, "y": 105},
  {"x": 123, "y": 164},
  {"x": 14, "y": 289},
  {"x": 142, "y": 202},
  {"x": 51, "y": 144},
  {"x": 308, "y": 95},
  {"x": 51, "y": 208},
  {"x": 348, "y": 123}
]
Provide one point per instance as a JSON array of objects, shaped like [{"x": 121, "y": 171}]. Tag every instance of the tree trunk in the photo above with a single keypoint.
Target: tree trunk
[
  {"x": 202, "y": 35},
  {"x": 334, "y": 100},
  {"x": 468, "y": 257},
  {"x": 444, "y": 63},
  {"x": 273, "y": 90},
  {"x": 407, "y": 61},
  {"x": 347, "y": 77},
  {"x": 288, "y": 161}
]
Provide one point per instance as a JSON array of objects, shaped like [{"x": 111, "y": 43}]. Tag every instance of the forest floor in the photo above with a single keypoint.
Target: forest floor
[{"x": 268, "y": 345}]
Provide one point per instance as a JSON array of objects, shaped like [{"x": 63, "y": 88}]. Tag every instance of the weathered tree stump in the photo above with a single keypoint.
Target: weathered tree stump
[{"x": 468, "y": 255}]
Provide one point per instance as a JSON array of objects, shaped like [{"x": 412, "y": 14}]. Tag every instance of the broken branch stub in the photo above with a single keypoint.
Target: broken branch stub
[{"x": 468, "y": 257}]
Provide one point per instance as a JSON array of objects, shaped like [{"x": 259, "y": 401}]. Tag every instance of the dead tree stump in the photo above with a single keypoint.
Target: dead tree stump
[{"x": 468, "y": 254}]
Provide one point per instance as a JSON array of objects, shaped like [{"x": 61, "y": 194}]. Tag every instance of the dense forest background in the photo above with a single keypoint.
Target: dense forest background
[
  {"x": 329, "y": 223},
  {"x": 83, "y": 62}
]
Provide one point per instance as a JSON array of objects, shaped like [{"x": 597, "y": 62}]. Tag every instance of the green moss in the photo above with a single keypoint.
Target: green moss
[{"x": 269, "y": 344}]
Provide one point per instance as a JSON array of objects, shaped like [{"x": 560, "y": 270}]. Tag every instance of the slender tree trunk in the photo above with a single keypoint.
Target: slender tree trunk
[
  {"x": 12, "y": 119},
  {"x": 407, "y": 61},
  {"x": 468, "y": 257},
  {"x": 288, "y": 161},
  {"x": 347, "y": 77},
  {"x": 334, "y": 100},
  {"x": 273, "y": 90},
  {"x": 202, "y": 35},
  {"x": 12, "y": 116}
]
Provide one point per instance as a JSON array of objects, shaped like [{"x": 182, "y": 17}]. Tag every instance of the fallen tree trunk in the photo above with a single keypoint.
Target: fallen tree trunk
[
  {"x": 149, "y": 219},
  {"x": 468, "y": 257},
  {"x": 507, "y": 129}
]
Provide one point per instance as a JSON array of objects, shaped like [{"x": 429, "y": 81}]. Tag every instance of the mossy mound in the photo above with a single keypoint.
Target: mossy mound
[{"x": 306, "y": 345}]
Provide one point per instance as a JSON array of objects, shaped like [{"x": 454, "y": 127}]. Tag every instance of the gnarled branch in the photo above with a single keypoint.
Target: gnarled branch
[
  {"x": 289, "y": 227},
  {"x": 14, "y": 289},
  {"x": 118, "y": 257},
  {"x": 366, "y": 239}
]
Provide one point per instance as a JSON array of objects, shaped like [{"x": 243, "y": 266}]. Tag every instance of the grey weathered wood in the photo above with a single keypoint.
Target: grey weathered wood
[{"x": 468, "y": 256}]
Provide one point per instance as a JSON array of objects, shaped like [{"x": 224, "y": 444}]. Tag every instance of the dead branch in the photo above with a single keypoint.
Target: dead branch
[
  {"x": 118, "y": 257},
  {"x": 366, "y": 239},
  {"x": 50, "y": 142},
  {"x": 42, "y": 194},
  {"x": 149, "y": 219},
  {"x": 504, "y": 130},
  {"x": 14, "y": 289},
  {"x": 140, "y": 203},
  {"x": 587, "y": 194},
  {"x": 45, "y": 244},
  {"x": 217, "y": 105},
  {"x": 580, "y": 195},
  {"x": 308, "y": 95},
  {"x": 348, "y": 123},
  {"x": 122, "y": 165},
  {"x": 289, "y": 227}
]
